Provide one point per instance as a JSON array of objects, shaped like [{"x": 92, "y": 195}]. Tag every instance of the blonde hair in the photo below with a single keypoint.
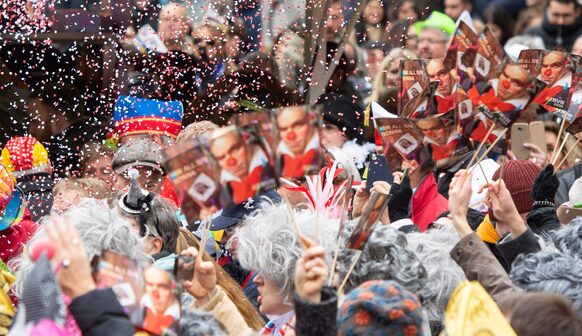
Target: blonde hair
[
  {"x": 379, "y": 80},
  {"x": 91, "y": 187},
  {"x": 195, "y": 129}
]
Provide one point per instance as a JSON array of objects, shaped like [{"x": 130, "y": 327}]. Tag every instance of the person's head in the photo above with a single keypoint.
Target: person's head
[
  {"x": 519, "y": 177},
  {"x": 343, "y": 69},
  {"x": 433, "y": 249},
  {"x": 552, "y": 129},
  {"x": 24, "y": 156},
  {"x": 499, "y": 22},
  {"x": 577, "y": 46},
  {"x": 380, "y": 307},
  {"x": 389, "y": 69},
  {"x": 100, "y": 229},
  {"x": 408, "y": 10},
  {"x": 454, "y": 8},
  {"x": 541, "y": 314},
  {"x": 268, "y": 244},
  {"x": 209, "y": 40},
  {"x": 375, "y": 51},
  {"x": 52, "y": 108},
  {"x": 157, "y": 224},
  {"x": 97, "y": 163},
  {"x": 159, "y": 287},
  {"x": 437, "y": 129},
  {"x": 195, "y": 129},
  {"x": 231, "y": 153},
  {"x": 295, "y": 128},
  {"x": 68, "y": 192},
  {"x": 563, "y": 12},
  {"x": 551, "y": 272},
  {"x": 335, "y": 20},
  {"x": 231, "y": 216},
  {"x": 432, "y": 43},
  {"x": 342, "y": 120},
  {"x": 437, "y": 72},
  {"x": 374, "y": 12},
  {"x": 194, "y": 322},
  {"x": 386, "y": 256},
  {"x": 553, "y": 67},
  {"x": 143, "y": 155},
  {"x": 173, "y": 25},
  {"x": 513, "y": 82}
]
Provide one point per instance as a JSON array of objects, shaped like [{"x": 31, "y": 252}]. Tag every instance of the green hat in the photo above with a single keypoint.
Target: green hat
[{"x": 436, "y": 20}]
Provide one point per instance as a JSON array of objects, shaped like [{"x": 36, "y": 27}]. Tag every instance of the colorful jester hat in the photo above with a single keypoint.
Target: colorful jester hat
[{"x": 12, "y": 203}]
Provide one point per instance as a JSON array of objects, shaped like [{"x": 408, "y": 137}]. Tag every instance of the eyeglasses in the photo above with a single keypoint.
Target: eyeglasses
[{"x": 431, "y": 41}]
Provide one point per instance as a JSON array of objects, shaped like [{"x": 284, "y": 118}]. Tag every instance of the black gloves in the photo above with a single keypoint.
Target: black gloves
[
  {"x": 544, "y": 188},
  {"x": 401, "y": 194}
]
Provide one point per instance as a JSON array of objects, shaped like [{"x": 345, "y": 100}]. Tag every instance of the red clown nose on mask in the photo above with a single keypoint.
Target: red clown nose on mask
[
  {"x": 547, "y": 72},
  {"x": 291, "y": 136},
  {"x": 506, "y": 84},
  {"x": 231, "y": 162}
]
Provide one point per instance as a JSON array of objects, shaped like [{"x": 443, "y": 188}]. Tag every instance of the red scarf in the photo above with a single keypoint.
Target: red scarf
[
  {"x": 445, "y": 104},
  {"x": 295, "y": 166},
  {"x": 247, "y": 186}
]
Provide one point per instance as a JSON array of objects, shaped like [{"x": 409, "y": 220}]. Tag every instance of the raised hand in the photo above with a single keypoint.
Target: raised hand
[
  {"x": 460, "y": 191},
  {"x": 203, "y": 283},
  {"x": 311, "y": 271},
  {"x": 504, "y": 209}
]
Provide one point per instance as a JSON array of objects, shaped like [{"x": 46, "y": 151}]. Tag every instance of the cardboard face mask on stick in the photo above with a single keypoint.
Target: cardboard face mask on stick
[
  {"x": 402, "y": 141},
  {"x": 297, "y": 140},
  {"x": 461, "y": 54},
  {"x": 557, "y": 70},
  {"x": 244, "y": 162},
  {"x": 413, "y": 78}
]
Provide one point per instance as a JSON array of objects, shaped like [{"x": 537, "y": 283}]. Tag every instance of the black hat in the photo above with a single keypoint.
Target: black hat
[
  {"x": 233, "y": 215},
  {"x": 343, "y": 113}
]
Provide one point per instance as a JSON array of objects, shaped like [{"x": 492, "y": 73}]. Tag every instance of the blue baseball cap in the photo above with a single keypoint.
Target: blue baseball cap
[{"x": 233, "y": 215}]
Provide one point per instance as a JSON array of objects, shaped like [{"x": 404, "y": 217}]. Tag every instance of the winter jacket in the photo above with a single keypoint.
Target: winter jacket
[
  {"x": 38, "y": 189},
  {"x": 544, "y": 220},
  {"x": 99, "y": 313},
  {"x": 13, "y": 239},
  {"x": 427, "y": 203},
  {"x": 445, "y": 176},
  {"x": 479, "y": 264},
  {"x": 316, "y": 318},
  {"x": 567, "y": 178},
  {"x": 554, "y": 35},
  {"x": 510, "y": 248},
  {"x": 226, "y": 312}
]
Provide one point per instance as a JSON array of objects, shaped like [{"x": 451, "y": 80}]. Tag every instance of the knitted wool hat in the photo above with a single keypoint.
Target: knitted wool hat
[
  {"x": 519, "y": 177},
  {"x": 341, "y": 112},
  {"x": 22, "y": 155},
  {"x": 380, "y": 308}
]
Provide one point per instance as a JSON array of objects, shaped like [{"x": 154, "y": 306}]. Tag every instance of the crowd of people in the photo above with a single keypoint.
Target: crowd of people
[{"x": 291, "y": 167}]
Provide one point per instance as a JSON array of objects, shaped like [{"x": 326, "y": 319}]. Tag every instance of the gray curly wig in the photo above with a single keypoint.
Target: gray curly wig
[
  {"x": 444, "y": 275},
  {"x": 551, "y": 272},
  {"x": 568, "y": 239},
  {"x": 100, "y": 229},
  {"x": 199, "y": 323},
  {"x": 386, "y": 256},
  {"x": 267, "y": 242}
]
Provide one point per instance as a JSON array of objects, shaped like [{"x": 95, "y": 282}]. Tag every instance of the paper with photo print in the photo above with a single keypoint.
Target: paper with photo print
[
  {"x": 243, "y": 160},
  {"x": 297, "y": 140},
  {"x": 489, "y": 54},
  {"x": 373, "y": 209},
  {"x": 461, "y": 54},
  {"x": 500, "y": 100},
  {"x": 401, "y": 140},
  {"x": 413, "y": 78},
  {"x": 575, "y": 127},
  {"x": 148, "y": 297},
  {"x": 194, "y": 176},
  {"x": 556, "y": 69},
  {"x": 442, "y": 136},
  {"x": 423, "y": 105}
]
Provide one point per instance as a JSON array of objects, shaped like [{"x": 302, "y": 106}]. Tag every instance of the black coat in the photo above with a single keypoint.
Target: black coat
[
  {"x": 99, "y": 313},
  {"x": 316, "y": 318},
  {"x": 554, "y": 35}
]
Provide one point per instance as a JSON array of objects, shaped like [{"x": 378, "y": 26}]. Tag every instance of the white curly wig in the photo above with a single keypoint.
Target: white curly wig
[
  {"x": 267, "y": 242},
  {"x": 100, "y": 229}
]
